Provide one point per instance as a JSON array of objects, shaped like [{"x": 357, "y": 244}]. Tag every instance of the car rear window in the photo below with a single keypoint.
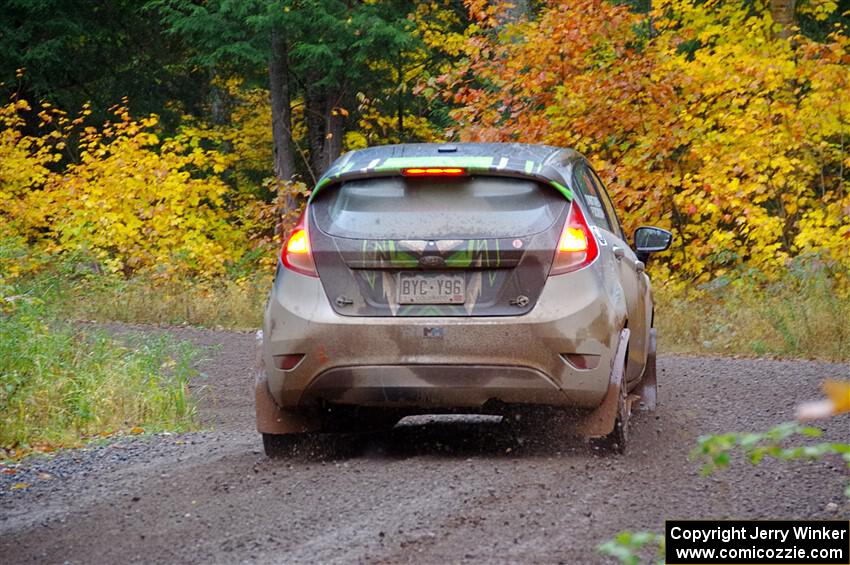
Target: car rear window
[{"x": 468, "y": 207}]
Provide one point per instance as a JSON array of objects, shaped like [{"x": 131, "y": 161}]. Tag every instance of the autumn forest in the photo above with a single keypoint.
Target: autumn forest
[{"x": 176, "y": 140}]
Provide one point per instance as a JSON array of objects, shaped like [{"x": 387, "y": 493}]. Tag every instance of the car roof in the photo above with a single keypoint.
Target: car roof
[
  {"x": 541, "y": 162},
  {"x": 523, "y": 151}
]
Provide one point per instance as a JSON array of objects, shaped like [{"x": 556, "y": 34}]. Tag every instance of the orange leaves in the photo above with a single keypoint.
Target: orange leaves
[
  {"x": 533, "y": 67},
  {"x": 486, "y": 12},
  {"x": 711, "y": 127}
]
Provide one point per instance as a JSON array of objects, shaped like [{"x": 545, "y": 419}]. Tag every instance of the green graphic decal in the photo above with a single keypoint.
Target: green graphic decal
[
  {"x": 491, "y": 275},
  {"x": 562, "y": 189},
  {"x": 398, "y": 163},
  {"x": 387, "y": 254},
  {"x": 370, "y": 276},
  {"x": 345, "y": 168},
  {"x": 322, "y": 183},
  {"x": 476, "y": 254},
  {"x": 429, "y": 310}
]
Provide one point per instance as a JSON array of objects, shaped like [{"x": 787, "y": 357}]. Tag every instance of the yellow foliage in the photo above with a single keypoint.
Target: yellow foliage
[
  {"x": 376, "y": 128},
  {"x": 434, "y": 22},
  {"x": 132, "y": 201},
  {"x": 245, "y": 142},
  {"x": 819, "y": 9},
  {"x": 25, "y": 161}
]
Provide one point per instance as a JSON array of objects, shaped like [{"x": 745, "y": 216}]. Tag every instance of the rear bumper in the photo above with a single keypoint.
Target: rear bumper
[
  {"x": 425, "y": 386},
  {"x": 466, "y": 362}
]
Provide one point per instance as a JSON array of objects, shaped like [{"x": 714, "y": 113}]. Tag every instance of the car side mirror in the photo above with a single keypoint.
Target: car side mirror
[{"x": 649, "y": 239}]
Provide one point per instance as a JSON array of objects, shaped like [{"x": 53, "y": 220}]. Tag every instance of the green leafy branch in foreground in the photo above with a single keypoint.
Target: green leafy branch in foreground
[
  {"x": 628, "y": 546},
  {"x": 716, "y": 450}
]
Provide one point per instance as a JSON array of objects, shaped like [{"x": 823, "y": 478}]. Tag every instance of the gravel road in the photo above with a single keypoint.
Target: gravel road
[{"x": 430, "y": 491}]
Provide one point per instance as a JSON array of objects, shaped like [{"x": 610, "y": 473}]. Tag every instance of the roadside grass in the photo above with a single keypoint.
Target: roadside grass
[
  {"x": 61, "y": 385},
  {"x": 224, "y": 303},
  {"x": 803, "y": 314}
]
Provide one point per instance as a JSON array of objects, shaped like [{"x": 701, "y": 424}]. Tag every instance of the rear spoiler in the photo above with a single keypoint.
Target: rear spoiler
[{"x": 350, "y": 168}]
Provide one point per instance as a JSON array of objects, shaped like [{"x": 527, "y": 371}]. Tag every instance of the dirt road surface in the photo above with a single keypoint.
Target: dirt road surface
[{"x": 430, "y": 491}]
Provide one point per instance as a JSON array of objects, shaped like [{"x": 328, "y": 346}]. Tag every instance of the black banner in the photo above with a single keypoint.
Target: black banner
[{"x": 758, "y": 542}]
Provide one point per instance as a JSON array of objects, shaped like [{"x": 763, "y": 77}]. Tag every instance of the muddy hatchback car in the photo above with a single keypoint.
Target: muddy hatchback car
[{"x": 472, "y": 278}]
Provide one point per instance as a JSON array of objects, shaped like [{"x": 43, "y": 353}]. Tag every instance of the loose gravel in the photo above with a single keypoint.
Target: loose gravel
[{"x": 432, "y": 490}]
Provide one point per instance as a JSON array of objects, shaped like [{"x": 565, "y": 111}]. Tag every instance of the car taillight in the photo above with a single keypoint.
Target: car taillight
[
  {"x": 576, "y": 247},
  {"x": 296, "y": 254}
]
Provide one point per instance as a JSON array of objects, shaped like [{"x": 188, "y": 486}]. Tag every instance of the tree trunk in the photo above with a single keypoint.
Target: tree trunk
[
  {"x": 333, "y": 128},
  {"x": 284, "y": 156},
  {"x": 400, "y": 97},
  {"x": 221, "y": 103},
  {"x": 784, "y": 13},
  {"x": 324, "y": 127},
  {"x": 314, "y": 116}
]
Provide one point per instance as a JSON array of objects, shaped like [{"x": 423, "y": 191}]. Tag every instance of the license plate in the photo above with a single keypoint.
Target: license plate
[{"x": 431, "y": 288}]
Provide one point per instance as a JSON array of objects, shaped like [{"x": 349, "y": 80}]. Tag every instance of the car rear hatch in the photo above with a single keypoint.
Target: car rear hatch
[{"x": 435, "y": 246}]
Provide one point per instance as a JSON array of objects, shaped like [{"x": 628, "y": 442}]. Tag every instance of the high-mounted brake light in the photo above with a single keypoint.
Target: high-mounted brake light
[
  {"x": 296, "y": 253},
  {"x": 434, "y": 172},
  {"x": 577, "y": 247}
]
